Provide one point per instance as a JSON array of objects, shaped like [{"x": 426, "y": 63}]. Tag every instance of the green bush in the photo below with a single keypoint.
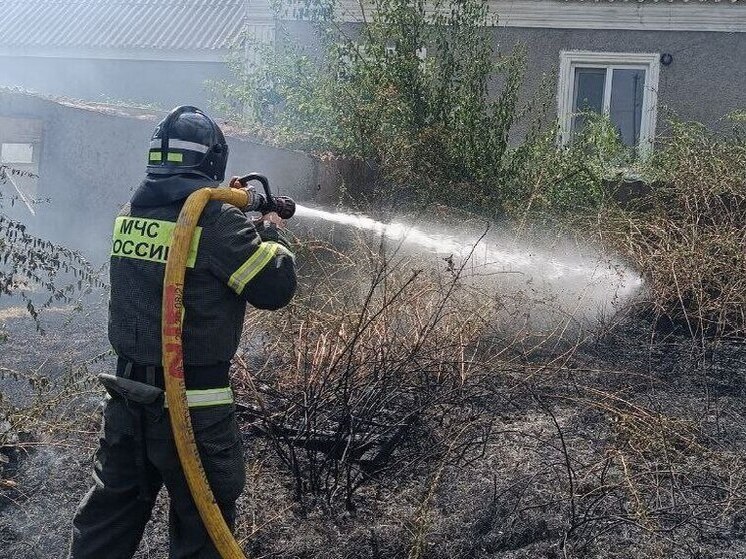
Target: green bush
[
  {"x": 425, "y": 97},
  {"x": 549, "y": 182},
  {"x": 422, "y": 95}
]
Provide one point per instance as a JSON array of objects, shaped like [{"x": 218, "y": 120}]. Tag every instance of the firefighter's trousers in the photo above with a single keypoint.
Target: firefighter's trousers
[{"x": 137, "y": 456}]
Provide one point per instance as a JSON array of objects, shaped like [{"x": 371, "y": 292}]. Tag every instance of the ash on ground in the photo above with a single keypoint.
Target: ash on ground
[{"x": 632, "y": 448}]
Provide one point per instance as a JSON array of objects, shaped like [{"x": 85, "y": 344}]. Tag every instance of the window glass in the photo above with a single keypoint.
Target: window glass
[
  {"x": 589, "y": 93},
  {"x": 17, "y": 153},
  {"x": 619, "y": 85},
  {"x": 627, "y": 93}
]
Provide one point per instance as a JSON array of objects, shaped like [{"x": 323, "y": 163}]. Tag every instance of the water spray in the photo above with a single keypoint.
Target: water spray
[{"x": 485, "y": 256}]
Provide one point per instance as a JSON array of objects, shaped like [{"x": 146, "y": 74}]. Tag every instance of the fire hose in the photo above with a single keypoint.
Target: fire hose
[{"x": 172, "y": 348}]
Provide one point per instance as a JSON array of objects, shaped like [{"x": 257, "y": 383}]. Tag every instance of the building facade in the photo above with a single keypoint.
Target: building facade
[{"x": 640, "y": 62}]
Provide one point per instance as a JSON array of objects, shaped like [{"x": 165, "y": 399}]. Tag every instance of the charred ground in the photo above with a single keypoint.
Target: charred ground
[{"x": 623, "y": 442}]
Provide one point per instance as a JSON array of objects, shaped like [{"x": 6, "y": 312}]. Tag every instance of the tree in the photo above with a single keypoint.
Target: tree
[{"x": 421, "y": 92}]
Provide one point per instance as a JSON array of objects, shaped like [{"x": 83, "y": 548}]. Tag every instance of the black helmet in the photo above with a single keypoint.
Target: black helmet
[{"x": 188, "y": 141}]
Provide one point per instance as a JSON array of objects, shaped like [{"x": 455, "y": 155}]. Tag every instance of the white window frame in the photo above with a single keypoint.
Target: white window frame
[{"x": 570, "y": 60}]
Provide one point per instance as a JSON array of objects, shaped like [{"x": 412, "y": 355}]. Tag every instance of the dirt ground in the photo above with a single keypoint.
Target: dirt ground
[{"x": 634, "y": 448}]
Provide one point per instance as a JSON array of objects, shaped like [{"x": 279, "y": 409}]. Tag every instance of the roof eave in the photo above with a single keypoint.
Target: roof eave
[
  {"x": 727, "y": 16},
  {"x": 139, "y": 54}
]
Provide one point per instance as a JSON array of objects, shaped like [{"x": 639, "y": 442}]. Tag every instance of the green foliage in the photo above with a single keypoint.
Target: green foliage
[
  {"x": 553, "y": 182},
  {"x": 423, "y": 94}
]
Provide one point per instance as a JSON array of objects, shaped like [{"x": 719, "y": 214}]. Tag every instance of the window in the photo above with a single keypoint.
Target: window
[
  {"x": 17, "y": 153},
  {"x": 20, "y": 150},
  {"x": 623, "y": 86}
]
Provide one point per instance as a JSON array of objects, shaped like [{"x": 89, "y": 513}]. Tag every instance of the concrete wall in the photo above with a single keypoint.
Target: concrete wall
[
  {"x": 92, "y": 159},
  {"x": 160, "y": 83}
]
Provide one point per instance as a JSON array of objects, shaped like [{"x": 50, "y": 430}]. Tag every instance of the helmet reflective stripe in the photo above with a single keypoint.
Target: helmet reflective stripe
[
  {"x": 173, "y": 157},
  {"x": 181, "y": 144},
  {"x": 191, "y": 146}
]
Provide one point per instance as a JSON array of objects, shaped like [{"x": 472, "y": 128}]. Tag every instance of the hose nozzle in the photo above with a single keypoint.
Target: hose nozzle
[
  {"x": 265, "y": 202},
  {"x": 284, "y": 206}
]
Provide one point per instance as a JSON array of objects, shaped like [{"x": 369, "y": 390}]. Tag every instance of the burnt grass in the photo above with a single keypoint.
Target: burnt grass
[{"x": 629, "y": 446}]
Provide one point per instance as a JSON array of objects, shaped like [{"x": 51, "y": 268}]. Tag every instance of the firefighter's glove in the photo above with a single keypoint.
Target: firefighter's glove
[
  {"x": 271, "y": 228},
  {"x": 256, "y": 200}
]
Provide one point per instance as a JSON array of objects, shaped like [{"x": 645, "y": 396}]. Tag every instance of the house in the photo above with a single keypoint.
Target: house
[
  {"x": 153, "y": 52},
  {"x": 633, "y": 60}
]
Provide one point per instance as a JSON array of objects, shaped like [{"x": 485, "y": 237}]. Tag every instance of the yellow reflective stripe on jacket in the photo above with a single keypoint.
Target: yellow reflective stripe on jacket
[
  {"x": 255, "y": 264},
  {"x": 148, "y": 239},
  {"x": 209, "y": 397}
]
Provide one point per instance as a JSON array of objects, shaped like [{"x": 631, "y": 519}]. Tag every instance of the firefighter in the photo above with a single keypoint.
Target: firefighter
[{"x": 232, "y": 261}]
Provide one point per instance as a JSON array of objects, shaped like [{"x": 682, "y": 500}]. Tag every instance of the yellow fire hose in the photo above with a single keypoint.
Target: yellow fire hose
[{"x": 173, "y": 365}]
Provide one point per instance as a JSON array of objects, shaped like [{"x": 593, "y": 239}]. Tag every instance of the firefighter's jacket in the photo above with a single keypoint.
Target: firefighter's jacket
[{"x": 230, "y": 263}]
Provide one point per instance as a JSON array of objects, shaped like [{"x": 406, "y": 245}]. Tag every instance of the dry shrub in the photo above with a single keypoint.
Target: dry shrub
[
  {"x": 375, "y": 358},
  {"x": 395, "y": 389},
  {"x": 688, "y": 234},
  {"x": 37, "y": 410}
]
